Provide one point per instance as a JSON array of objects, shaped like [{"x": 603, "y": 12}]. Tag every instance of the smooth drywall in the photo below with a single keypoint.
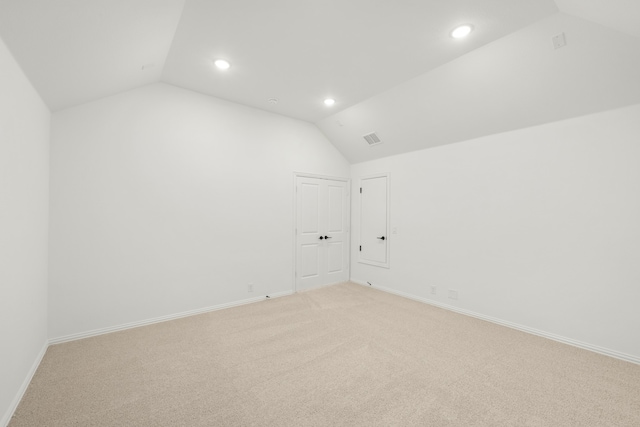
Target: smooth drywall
[
  {"x": 24, "y": 200},
  {"x": 165, "y": 201},
  {"x": 538, "y": 227}
]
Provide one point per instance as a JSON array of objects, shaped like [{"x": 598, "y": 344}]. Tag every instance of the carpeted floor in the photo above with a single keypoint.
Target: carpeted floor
[{"x": 343, "y": 355}]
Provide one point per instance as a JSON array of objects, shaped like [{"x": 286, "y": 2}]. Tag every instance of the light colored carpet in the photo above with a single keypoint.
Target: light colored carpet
[{"x": 343, "y": 355}]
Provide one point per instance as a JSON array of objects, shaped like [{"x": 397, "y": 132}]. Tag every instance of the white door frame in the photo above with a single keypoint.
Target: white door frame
[{"x": 297, "y": 175}]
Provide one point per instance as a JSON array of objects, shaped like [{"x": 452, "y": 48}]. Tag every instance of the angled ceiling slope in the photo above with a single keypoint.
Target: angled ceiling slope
[
  {"x": 297, "y": 51},
  {"x": 301, "y": 52},
  {"x": 78, "y": 51},
  {"x": 513, "y": 83},
  {"x": 621, "y": 15},
  {"x": 392, "y": 66}
]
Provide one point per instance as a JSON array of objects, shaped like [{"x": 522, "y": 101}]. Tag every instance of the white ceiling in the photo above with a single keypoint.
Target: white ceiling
[
  {"x": 75, "y": 51},
  {"x": 298, "y": 51},
  {"x": 622, "y": 15},
  {"x": 391, "y": 65},
  {"x": 515, "y": 82},
  {"x": 302, "y": 51}
]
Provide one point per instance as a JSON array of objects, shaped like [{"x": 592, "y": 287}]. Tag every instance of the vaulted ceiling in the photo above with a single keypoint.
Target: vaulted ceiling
[{"x": 392, "y": 66}]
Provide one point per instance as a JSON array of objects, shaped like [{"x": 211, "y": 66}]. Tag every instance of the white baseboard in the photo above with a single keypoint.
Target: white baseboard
[
  {"x": 16, "y": 401},
  {"x": 23, "y": 388},
  {"x": 564, "y": 340},
  {"x": 101, "y": 331}
]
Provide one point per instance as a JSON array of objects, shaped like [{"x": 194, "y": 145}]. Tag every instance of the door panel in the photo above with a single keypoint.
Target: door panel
[
  {"x": 374, "y": 238},
  {"x": 335, "y": 257},
  {"x": 310, "y": 261},
  {"x": 310, "y": 194},
  {"x": 336, "y": 209},
  {"x": 322, "y": 234}
]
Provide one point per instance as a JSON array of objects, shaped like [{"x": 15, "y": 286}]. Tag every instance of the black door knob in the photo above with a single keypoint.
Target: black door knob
[
  {"x": 320, "y": 237},
  {"x": 327, "y": 237},
  {"x": 381, "y": 238}
]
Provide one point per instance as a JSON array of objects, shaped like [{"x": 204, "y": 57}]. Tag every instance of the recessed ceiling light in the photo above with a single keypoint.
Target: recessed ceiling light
[
  {"x": 329, "y": 102},
  {"x": 461, "y": 31},
  {"x": 222, "y": 64}
]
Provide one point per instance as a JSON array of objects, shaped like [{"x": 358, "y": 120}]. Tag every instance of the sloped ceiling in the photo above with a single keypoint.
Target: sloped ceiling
[
  {"x": 77, "y": 51},
  {"x": 301, "y": 51},
  {"x": 296, "y": 51},
  {"x": 512, "y": 83},
  {"x": 391, "y": 66},
  {"x": 621, "y": 15}
]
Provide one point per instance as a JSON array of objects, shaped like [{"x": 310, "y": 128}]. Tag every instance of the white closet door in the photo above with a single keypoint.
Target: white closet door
[
  {"x": 322, "y": 236},
  {"x": 374, "y": 221}
]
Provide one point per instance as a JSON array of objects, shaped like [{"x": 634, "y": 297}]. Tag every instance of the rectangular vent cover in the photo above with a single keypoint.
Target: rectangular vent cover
[{"x": 372, "y": 139}]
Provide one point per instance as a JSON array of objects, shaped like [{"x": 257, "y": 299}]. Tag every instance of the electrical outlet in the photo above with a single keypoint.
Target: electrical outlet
[
  {"x": 434, "y": 290},
  {"x": 453, "y": 294},
  {"x": 250, "y": 288}
]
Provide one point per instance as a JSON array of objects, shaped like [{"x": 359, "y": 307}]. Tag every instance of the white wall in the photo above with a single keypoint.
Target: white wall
[
  {"x": 24, "y": 199},
  {"x": 164, "y": 201},
  {"x": 539, "y": 227}
]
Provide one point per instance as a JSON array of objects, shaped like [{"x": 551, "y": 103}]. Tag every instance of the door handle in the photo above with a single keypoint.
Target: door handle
[
  {"x": 327, "y": 237},
  {"x": 320, "y": 237},
  {"x": 381, "y": 238}
]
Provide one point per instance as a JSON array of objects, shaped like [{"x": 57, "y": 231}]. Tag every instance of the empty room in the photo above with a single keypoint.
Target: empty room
[{"x": 319, "y": 213}]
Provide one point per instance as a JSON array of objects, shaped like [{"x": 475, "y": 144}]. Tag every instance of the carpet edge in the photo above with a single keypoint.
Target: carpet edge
[{"x": 564, "y": 340}]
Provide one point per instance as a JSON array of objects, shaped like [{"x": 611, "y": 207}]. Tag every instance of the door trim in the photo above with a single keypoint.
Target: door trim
[{"x": 297, "y": 175}]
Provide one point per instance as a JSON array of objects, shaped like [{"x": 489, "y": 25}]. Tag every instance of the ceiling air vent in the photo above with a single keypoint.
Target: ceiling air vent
[{"x": 372, "y": 139}]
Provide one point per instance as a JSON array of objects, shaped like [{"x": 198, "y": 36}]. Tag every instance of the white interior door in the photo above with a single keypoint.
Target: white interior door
[
  {"x": 322, "y": 232},
  {"x": 374, "y": 221}
]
